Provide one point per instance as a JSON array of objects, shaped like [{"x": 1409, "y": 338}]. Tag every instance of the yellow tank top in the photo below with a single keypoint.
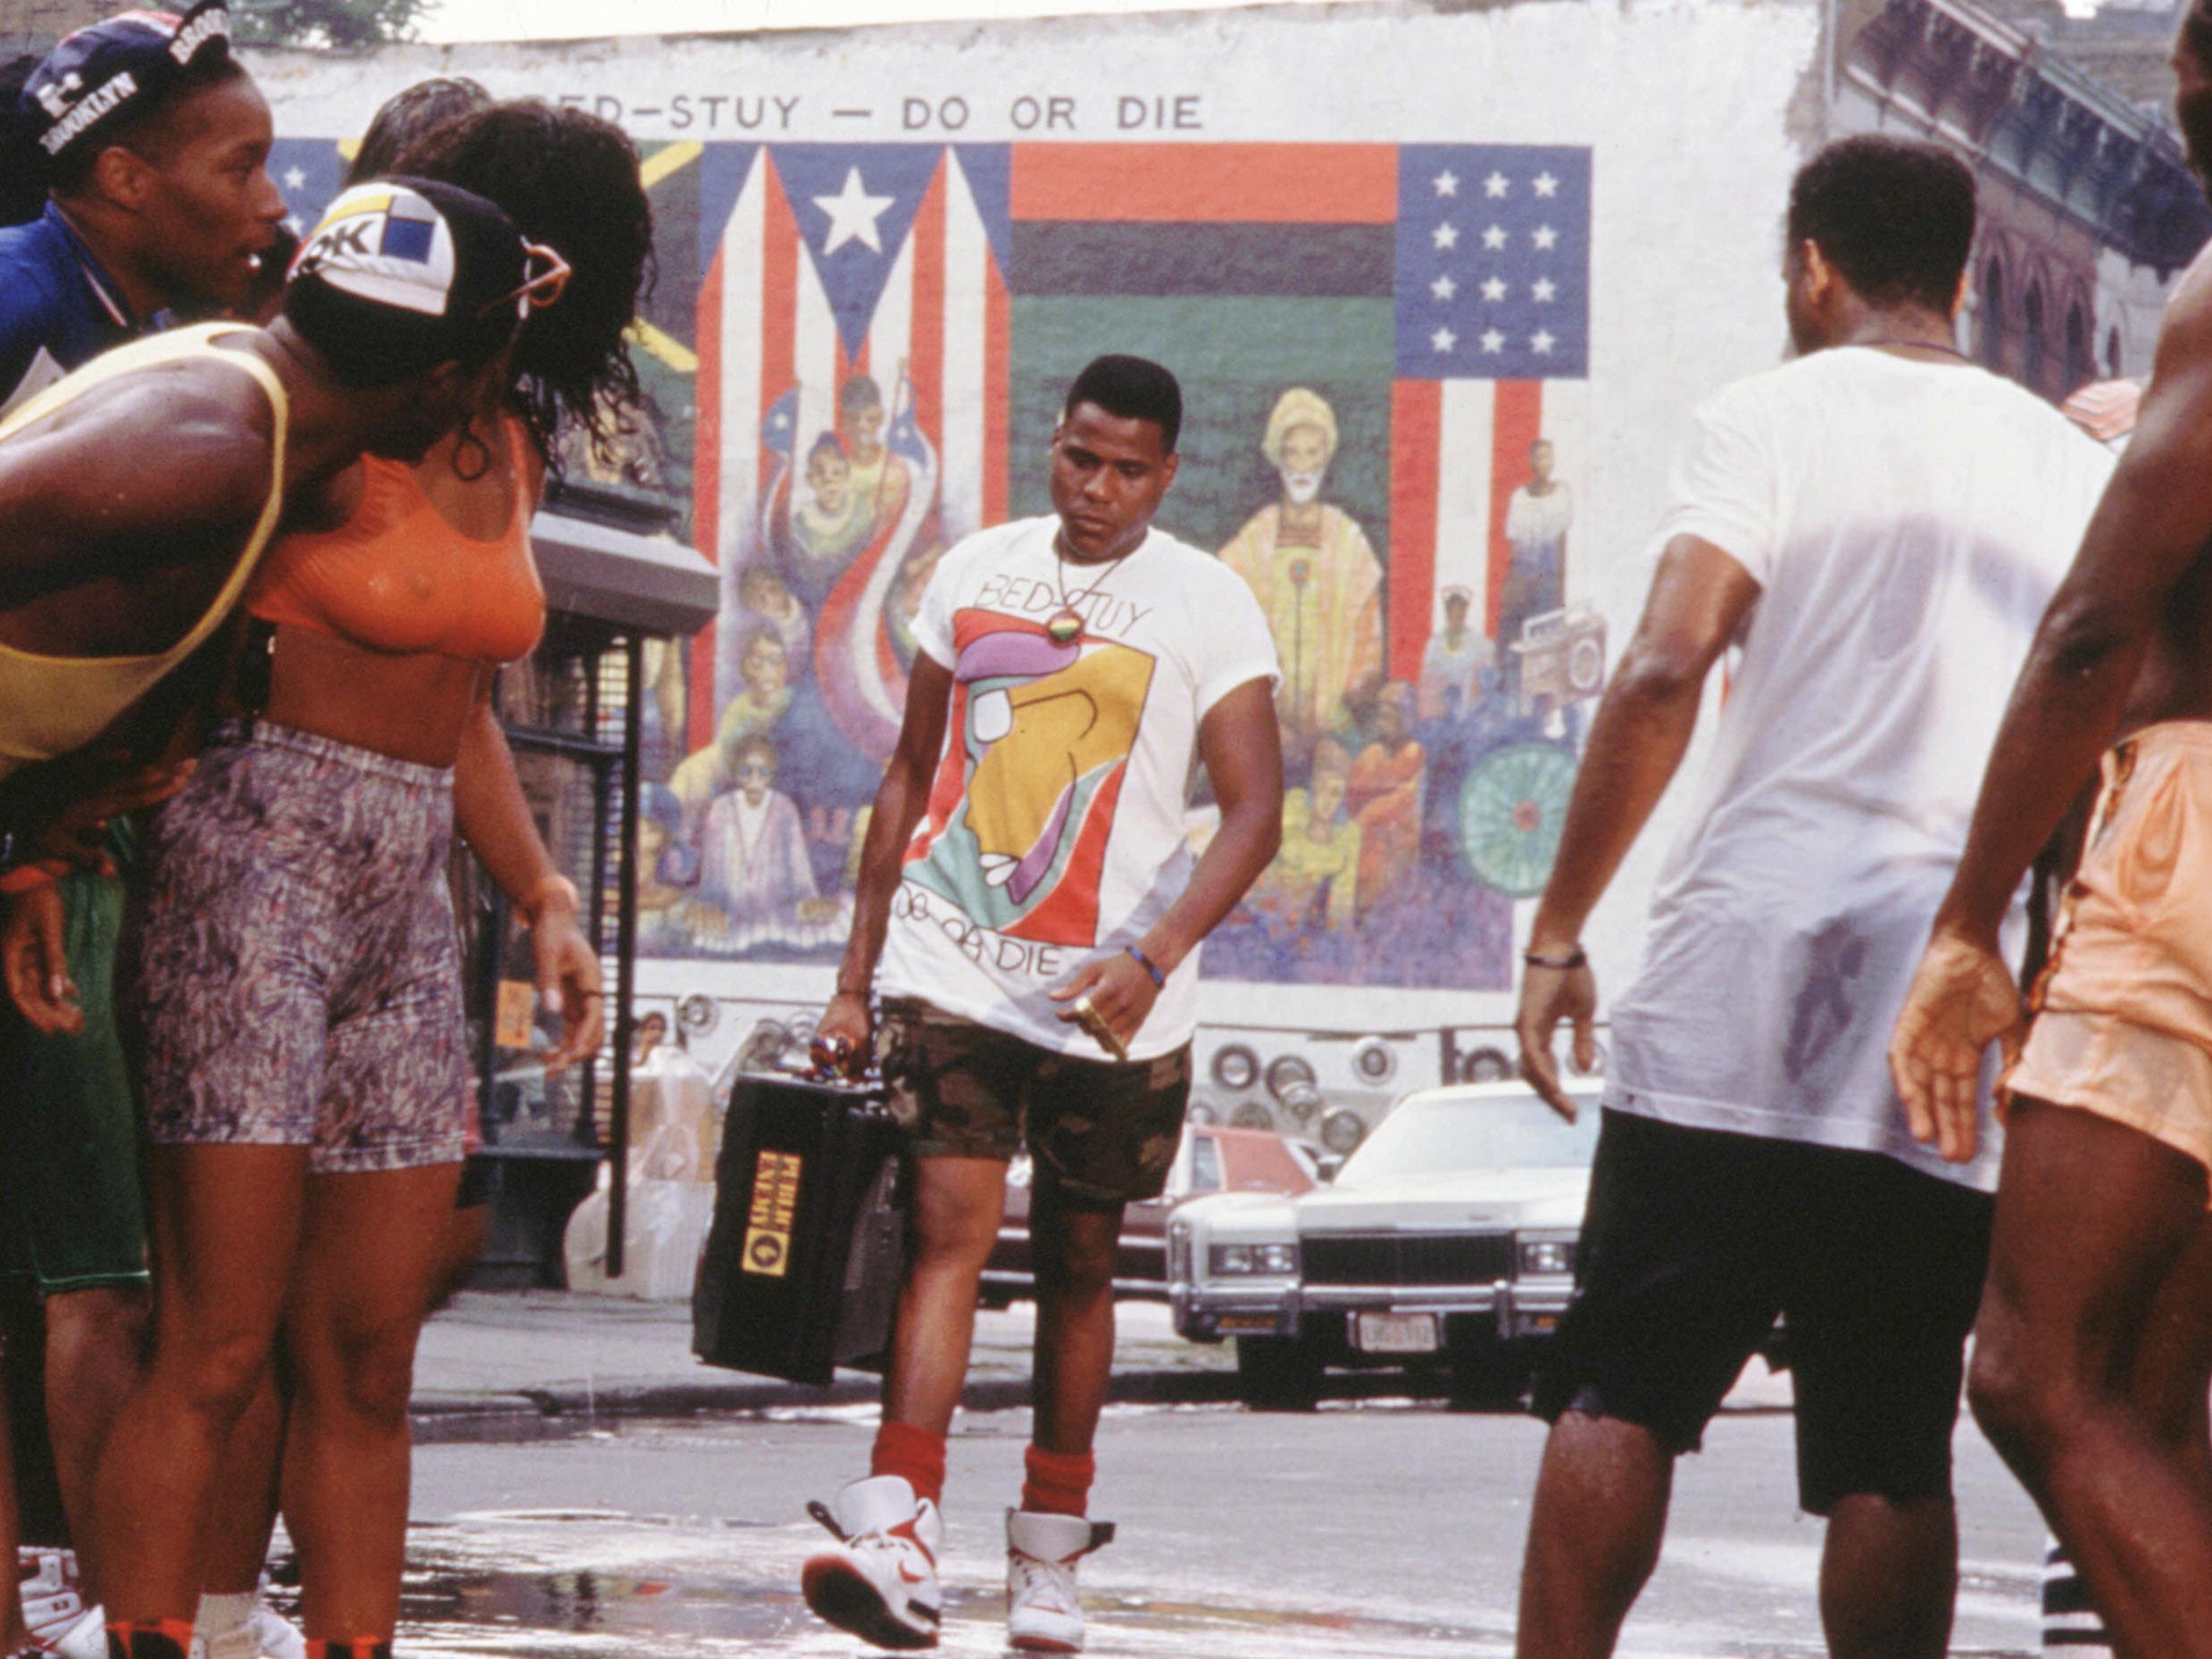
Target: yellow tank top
[{"x": 52, "y": 705}]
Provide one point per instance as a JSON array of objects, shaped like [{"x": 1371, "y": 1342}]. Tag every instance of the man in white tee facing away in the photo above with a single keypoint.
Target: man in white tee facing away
[
  {"x": 1877, "y": 526},
  {"x": 1028, "y": 912}
]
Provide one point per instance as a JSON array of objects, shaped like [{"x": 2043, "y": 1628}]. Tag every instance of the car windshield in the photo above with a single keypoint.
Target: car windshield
[{"x": 1432, "y": 1137}]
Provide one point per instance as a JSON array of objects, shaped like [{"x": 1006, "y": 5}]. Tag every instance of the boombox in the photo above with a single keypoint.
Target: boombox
[
  {"x": 802, "y": 1266},
  {"x": 1562, "y": 655}
]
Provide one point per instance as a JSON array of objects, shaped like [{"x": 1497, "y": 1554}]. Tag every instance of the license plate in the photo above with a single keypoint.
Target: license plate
[{"x": 1396, "y": 1333}]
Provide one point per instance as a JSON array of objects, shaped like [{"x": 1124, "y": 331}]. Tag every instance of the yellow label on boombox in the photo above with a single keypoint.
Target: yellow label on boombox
[{"x": 767, "y": 1226}]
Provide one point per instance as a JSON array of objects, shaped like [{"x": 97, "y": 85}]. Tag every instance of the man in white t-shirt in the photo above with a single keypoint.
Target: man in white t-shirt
[
  {"x": 1877, "y": 526},
  {"x": 1029, "y": 911}
]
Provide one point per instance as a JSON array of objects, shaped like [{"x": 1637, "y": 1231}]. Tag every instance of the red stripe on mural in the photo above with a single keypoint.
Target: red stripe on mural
[
  {"x": 706, "y": 466},
  {"x": 1281, "y": 184},
  {"x": 925, "y": 340},
  {"x": 780, "y": 305},
  {"x": 1416, "y": 433},
  {"x": 998, "y": 332},
  {"x": 1515, "y": 427}
]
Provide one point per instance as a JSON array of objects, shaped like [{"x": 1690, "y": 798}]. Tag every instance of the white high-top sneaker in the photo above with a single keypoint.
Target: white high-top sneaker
[
  {"x": 54, "y": 1605},
  {"x": 1043, "y": 1615},
  {"x": 880, "y": 1580}
]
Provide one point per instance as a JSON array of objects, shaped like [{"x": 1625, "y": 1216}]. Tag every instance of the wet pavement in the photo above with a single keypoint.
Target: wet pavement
[{"x": 1374, "y": 1528}]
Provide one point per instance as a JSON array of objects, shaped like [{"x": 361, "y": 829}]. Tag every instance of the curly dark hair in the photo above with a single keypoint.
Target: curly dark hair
[
  {"x": 406, "y": 115},
  {"x": 1895, "y": 216},
  {"x": 569, "y": 180}
]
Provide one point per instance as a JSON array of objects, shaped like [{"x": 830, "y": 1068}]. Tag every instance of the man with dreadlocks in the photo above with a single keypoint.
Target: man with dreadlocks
[{"x": 2093, "y": 1348}]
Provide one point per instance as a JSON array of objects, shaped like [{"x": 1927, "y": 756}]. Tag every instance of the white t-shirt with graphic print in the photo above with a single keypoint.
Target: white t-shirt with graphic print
[
  {"x": 1057, "y": 828},
  {"x": 1906, "y": 522}
]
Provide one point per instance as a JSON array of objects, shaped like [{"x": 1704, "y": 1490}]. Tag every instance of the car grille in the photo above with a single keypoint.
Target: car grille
[{"x": 1408, "y": 1258}]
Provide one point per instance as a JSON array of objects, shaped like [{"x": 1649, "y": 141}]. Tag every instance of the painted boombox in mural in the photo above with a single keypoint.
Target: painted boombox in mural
[{"x": 1562, "y": 655}]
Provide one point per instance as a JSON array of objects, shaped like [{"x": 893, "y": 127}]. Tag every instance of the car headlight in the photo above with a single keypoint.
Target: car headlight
[
  {"x": 1226, "y": 1260},
  {"x": 1547, "y": 1256}
]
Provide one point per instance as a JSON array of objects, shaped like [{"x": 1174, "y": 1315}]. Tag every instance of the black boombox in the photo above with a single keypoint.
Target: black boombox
[{"x": 801, "y": 1267}]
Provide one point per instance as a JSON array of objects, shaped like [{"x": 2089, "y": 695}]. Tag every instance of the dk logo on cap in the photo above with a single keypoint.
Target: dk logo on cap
[{"x": 385, "y": 244}]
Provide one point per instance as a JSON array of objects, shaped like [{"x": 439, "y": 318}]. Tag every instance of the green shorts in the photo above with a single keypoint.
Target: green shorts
[
  {"x": 74, "y": 1213},
  {"x": 1101, "y": 1133}
]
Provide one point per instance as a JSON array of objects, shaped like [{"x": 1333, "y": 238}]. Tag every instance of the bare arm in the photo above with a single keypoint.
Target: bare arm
[
  {"x": 1241, "y": 748},
  {"x": 2152, "y": 526},
  {"x": 899, "y": 801},
  {"x": 148, "y": 466},
  {"x": 1698, "y": 600},
  {"x": 494, "y": 817}
]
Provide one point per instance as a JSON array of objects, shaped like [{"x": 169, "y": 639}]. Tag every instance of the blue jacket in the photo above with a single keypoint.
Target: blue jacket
[{"x": 58, "y": 308}]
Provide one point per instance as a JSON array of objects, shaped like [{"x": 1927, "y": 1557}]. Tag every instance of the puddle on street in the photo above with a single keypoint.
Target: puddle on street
[{"x": 581, "y": 1584}]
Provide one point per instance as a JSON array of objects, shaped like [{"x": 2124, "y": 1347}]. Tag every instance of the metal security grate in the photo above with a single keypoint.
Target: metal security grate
[{"x": 1409, "y": 1258}]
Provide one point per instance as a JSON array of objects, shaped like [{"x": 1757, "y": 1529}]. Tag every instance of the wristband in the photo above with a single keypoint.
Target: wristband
[
  {"x": 553, "y": 887},
  {"x": 1567, "y": 964},
  {"x": 1159, "y": 980}
]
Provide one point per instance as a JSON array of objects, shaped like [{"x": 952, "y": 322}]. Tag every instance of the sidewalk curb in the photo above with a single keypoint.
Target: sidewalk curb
[{"x": 570, "y": 1409}]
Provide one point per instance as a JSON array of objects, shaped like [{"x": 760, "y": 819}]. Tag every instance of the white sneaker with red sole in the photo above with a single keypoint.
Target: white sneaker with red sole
[
  {"x": 879, "y": 1580},
  {"x": 1043, "y": 1613}
]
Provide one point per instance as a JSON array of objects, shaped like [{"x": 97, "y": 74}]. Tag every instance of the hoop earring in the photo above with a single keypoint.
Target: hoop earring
[{"x": 470, "y": 441}]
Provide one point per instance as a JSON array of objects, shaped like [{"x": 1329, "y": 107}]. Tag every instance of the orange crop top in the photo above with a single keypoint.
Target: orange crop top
[{"x": 396, "y": 576}]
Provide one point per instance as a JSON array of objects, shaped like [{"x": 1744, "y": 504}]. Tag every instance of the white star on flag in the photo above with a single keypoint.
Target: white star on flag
[
  {"x": 1541, "y": 343},
  {"x": 1543, "y": 289},
  {"x": 1446, "y": 234},
  {"x": 294, "y": 178},
  {"x": 1443, "y": 287},
  {"x": 1443, "y": 339},
  {"x": 1492, "y": 341},
  {"x": 1495, "y": 185},
  {"x": 1544, "y": 235},
  {"x": 1447, "y": 183},
  {"x": 1494, "y": 237},
  {"x": 853, "y": 214},
  {"x": 1546, "y": 185},
  {"x": 292, "y": 223},
  {"x": 1494, "y": 290}
]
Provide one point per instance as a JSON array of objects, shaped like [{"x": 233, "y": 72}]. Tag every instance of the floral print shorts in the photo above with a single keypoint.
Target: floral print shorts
[{"x": 292, "y": 963}]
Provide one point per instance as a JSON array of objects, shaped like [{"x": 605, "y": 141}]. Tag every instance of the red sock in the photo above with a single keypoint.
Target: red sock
[
  {"x": 914, "y": 1454},
  {"x": 1058, "y": 1483},
  {"x": 149, "y": 1639}
]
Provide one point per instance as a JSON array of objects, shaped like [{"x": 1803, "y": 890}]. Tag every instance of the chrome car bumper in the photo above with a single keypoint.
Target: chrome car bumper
[{"x": 1208, "y": 1312}]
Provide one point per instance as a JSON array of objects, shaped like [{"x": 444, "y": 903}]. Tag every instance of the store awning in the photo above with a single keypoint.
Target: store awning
[{"x": 651, "y": 583}]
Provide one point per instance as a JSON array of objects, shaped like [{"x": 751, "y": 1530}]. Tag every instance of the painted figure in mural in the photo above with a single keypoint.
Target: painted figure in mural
[
  {"x": 766, "y": 605},
  {"x": 1315, "y": 577},
  {"x": 1383, "y": 794},
  {"x": 1834, "y": 517},
  {"x": 1538, "y": 516},
  {"x": 1314, "y": 880},
  {"x": 668, "y": 870},
  {"x": 832, "y": 525},
  {"x": 1035, "y": 947},
  {"x": 753, "y": 712},
  {"x": 1453, "y": 660},
  {"x": 2094, "y": 1342},
  {"x": 753, "y": 857},
  {"x": 880, "y": 480}
]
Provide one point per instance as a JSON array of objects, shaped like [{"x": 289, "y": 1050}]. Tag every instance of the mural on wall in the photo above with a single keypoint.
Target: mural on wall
[{"x": 854, "y": 356}]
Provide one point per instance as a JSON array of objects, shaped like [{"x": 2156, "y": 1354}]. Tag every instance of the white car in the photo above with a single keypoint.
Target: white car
[{"x": 1447, "y": 1240}]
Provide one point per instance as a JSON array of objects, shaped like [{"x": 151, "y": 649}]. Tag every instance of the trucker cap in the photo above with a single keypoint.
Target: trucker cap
[
  {"x": 401, "y": 274},
  {"x": 104, "y": 72}
]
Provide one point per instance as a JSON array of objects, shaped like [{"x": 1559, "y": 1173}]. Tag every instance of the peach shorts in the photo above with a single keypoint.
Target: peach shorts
[{"x": 2123, "y": 1010}]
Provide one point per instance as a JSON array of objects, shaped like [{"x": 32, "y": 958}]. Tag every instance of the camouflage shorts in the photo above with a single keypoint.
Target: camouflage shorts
[{"x": 1101, "y": 1133}]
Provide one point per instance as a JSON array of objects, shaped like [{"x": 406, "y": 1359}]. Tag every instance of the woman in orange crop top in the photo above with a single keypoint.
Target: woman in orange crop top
[{"x": 294, "y": 972}]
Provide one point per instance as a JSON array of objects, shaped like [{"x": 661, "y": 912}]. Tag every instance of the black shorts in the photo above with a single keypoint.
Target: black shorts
[
  {"x": 1100, "y": 1133},
  {"x": 1696, "y": 1239}
]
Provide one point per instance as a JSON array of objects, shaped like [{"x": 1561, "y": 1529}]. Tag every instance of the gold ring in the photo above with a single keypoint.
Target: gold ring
[{"x": 1085, "y": 1010}]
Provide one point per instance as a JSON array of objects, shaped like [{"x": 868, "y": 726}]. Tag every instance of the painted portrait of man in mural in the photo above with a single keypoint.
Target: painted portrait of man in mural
[
  {"x": 1315, "y": 577},
  {"x": 753, "y": 712},
  {"x": 754, "y": 871},
  {"x": 1452, "y": 661},
  {"x": 1538, "y": 516}
]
